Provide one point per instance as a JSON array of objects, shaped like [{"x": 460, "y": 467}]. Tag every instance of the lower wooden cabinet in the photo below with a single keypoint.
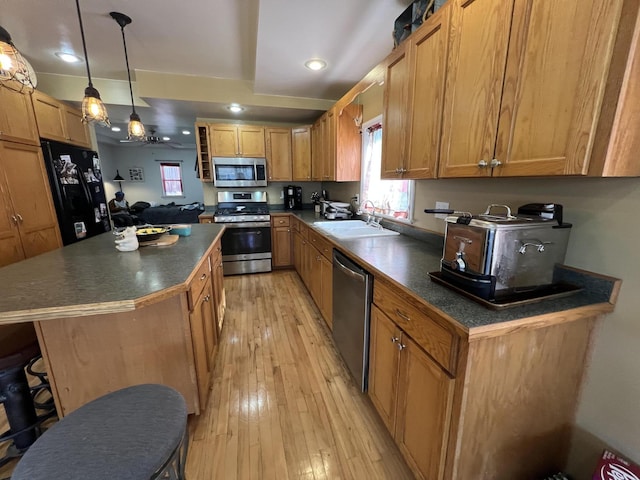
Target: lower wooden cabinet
[
  {"x": 28, "y": 222},
  {"x": 205, "y": 341},
  {"x": 412, "y": 394},
  {"x": 217, "y": 277},
  {"x": 281, "y": 239}
]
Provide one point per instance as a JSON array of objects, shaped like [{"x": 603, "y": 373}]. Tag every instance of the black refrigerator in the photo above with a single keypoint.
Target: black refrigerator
[{"x": 76, "y": 183}]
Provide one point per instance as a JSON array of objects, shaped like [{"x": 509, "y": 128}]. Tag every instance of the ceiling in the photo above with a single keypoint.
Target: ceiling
[{"x": 192, "y": 59}]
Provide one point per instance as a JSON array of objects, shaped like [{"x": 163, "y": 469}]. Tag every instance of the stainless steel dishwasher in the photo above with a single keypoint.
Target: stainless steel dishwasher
[{"x": 352, "y": 294}]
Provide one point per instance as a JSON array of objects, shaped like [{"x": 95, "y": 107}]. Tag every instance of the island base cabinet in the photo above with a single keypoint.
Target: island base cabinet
[
  {"x": 205, "y": 341},
  {"x": 412, "y": 394},
  {"x": 89, "y": 356}
]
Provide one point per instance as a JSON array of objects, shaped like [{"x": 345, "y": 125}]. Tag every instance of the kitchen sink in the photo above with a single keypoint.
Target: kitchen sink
[{"x": 346, "y": 229}]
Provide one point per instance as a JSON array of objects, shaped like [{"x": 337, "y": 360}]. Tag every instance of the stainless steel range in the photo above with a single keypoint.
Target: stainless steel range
[{"x": 246, "y": 243}]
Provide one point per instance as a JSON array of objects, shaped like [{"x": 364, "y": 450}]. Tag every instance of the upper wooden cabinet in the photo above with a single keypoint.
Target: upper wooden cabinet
[
  {"x": 203, "y": 144},
  {"x": 237, "y": 140},
  {"x": 58, "y": 121},
  {"x": 301, "y": 154},
  {"x": 17, "y": 119},
  {"x": 28, "y": 222},
  {"x": 337, "y": 145},
  {"x": 414, "y": 96},
  {"x": 523, "y": 96},
  {"x": 278, "y": 153}
]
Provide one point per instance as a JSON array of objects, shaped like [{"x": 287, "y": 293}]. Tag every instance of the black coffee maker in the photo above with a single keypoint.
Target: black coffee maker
[{"x": 292, "y": 197}]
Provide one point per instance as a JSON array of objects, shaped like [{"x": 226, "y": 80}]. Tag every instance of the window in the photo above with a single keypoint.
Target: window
[
  {"x": 392, "y": 198},
  {"x": 171, "y": 179}
]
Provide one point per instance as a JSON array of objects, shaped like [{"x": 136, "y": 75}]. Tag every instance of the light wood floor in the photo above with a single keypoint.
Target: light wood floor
[{"x": 283, "y": 405}]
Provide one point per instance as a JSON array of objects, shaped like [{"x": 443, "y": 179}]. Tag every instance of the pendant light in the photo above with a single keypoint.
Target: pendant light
[
  {"x": 13, "y": 66},
  {"x": 93, "y": 110},
  {"x": 135, "y": 128}
]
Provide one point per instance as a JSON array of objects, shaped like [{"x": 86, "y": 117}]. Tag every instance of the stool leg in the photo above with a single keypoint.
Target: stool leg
[{"x": 15, "y": 394}]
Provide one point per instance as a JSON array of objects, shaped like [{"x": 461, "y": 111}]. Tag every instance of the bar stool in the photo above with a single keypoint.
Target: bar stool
[
  {"x": 19, "y": 349},
  {"x": 136, "y": 433}
]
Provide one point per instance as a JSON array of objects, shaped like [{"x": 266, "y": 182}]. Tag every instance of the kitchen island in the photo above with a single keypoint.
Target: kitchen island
[
  {"x": 107, "y": 319},
  {"x": 465, "y": 391}
]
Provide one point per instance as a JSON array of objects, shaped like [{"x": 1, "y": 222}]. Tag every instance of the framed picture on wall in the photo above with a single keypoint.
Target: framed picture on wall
[{"x": 136, "y": 174}]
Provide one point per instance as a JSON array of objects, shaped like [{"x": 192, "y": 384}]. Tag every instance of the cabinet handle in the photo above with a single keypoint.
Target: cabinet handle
[
  {"x": 483, "y": 164},
  {"x": 288, "y": 230},
  {"x": 495, "y": 163},
  {"x": 395, "y": 339},
  {"x": 15, "y": 219},
  {"x": 402, "y": 315},
  {"x": 20, "y": 218},
  {"x": 401, "y": 346},
  {"x": 281, "y": 222},
  {"x": 203, "y": 276},
  {"x": 207, "y": 298}
]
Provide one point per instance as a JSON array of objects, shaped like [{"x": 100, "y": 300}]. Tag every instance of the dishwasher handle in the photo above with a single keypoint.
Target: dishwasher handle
[{"x": 347, "y": 271}]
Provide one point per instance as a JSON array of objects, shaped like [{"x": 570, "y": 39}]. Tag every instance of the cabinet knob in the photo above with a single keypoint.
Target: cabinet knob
[
  {"x": 495, "y": 163},
  {"x": 203, "y": 276},
  {"x": 207, "y": 298},
  {"x": 20, "y": 218},
  {"x": 395, "y": 339},
  {"x": 401, "y": 346},
  {"x": 15, "y": 219},
  {"x": 483, "y": 164}
]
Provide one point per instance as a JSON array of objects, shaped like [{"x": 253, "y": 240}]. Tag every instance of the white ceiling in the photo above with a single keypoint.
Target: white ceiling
[{"x": 252, "y": 49}]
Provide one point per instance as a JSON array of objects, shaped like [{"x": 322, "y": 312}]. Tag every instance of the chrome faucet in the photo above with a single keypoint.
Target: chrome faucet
[{"x": 371, "y": 217}]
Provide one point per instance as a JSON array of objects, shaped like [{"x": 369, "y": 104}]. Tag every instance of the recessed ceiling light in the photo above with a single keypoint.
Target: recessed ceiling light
[
  {"x": 68, "y": 57},
  {"x": 165, "y": 139},
  {"x": 315, "y": 64},
  {"x": 186, "y": 132},
  {"x": 115, "y": 129},
  {"x": 235, "y": 108}
]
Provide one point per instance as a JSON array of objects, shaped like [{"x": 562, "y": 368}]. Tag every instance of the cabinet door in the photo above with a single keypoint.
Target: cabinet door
[
  {"x": 281, "y": 247},
  {"x": 557, "y": 67},
  {"x": 251, "y": 141},
  {"x": 426, "y": 95},
  {"x": 326, "y": 295},
  {"x": 297, "y": 253},
  {"x": 17, "y": 119},
  {"x": 204, "y": 157},
  {"x": 77, "y": 131},
  {"x": 217, "y": 277},
  {"x": 10, "y": 245},
  {"x": 475, "y": 70},
  {"x": 202, "y": 331},
  {"x": 278, "y": 152},
  {"x": 49, "y": 116},
  {"x": 330, "y": 146},
  {"x": 315, "y": 274},
  {"x": 347, "y": 164},
  {"x": 301, "y": 154},
  {"x": 28, "y": 186},
  {"x": 396, "y": 91},
  {"x": 423, "y": 412},
  {"x": 383, "y": 366},
  {"x": 224, "y": 140},
  {"x": 317, "y": 149}
]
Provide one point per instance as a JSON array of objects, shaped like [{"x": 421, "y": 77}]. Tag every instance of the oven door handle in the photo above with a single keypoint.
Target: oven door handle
[{"x": 246, "y": 225}]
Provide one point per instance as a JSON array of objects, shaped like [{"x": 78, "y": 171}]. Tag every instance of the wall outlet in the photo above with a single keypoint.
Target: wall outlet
[
  {"x": 357, "y": 197},
  {"x": 282, "y": 194},
  {"x": 443, "y": 206}
]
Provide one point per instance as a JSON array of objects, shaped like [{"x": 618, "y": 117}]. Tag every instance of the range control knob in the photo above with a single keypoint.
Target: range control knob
[{"x": 458, "y": 263}]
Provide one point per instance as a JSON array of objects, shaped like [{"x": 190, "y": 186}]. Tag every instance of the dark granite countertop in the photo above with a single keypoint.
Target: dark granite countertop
[
  {"x": 407, "y": 261},
  {"x": 93, "y": 273}
]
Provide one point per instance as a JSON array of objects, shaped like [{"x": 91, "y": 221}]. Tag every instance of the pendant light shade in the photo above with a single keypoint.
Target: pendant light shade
[
  {"x": 136, "y": 128},
  {"x": 13, "y": 66},
  {"x": 93, "y": 110}
]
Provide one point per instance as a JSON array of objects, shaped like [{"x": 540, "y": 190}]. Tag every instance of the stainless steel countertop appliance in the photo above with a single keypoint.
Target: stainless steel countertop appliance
[
  {"x": 495, "y": 255},
  {"x": 352, "y": 296},
  {"x": 246, "y": 243}
]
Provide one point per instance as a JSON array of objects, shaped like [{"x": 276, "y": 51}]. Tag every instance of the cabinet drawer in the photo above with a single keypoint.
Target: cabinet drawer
[
  {"x": 280, "y": 220},
  {"x": 322, "y": 244},
  {"x": 205, "y": 218},
  {"x": 418, "y": 323},
  {"x": 200, "y": 279}
]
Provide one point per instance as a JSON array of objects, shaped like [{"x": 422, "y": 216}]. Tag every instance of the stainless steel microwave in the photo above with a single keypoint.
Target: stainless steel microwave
[{"x": 239, "y": 172}]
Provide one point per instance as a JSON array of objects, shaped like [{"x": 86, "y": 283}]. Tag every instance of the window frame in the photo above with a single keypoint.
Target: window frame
[
  {"x": 411, "y": 183},
  {"x": 164, "y": 181}
]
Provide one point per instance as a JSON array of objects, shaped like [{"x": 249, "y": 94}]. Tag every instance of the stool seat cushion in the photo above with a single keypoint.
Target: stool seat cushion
[{"x": 127, "y": 434}]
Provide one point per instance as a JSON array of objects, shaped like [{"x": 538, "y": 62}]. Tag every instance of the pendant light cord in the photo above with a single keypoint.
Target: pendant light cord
[
  {"x": 84, "y": 45},
  {"x": 126, "y": 58}
]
